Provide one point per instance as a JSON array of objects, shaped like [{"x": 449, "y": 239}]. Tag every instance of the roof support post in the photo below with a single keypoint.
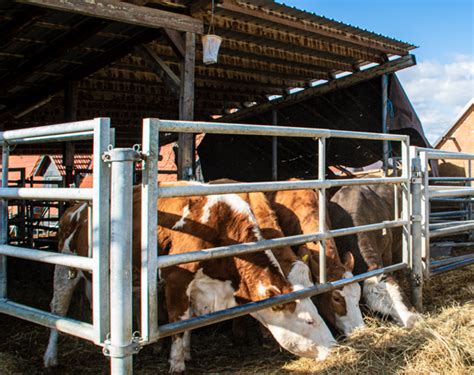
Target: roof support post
[
  {"x": 70, "y": 114},
  {"x": 186, "y": 154}
]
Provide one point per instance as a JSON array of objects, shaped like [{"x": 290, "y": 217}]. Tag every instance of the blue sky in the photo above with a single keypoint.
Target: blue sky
[{"x": 443, "y": 81}]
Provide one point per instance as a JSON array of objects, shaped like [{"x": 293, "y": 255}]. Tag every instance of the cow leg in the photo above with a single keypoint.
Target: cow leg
[
  {"x": 64, "y": 285},
  {"x": 178, "y": 305},
  {"x": 187, "y": 345},
  {"x": 385, "y": 296}
]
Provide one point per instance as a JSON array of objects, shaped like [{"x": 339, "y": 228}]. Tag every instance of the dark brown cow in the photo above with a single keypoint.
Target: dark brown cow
[
  {"x": 298, "y": 213},
  {"x": 362, "y": 205},
  {"x": 194, "y": 223}
]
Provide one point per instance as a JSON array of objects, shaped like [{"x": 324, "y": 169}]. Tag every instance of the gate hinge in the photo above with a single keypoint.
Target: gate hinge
[{"x": 416, "y": 218}]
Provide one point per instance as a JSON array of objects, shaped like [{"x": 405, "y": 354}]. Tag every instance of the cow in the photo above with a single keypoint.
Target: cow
[
  {"x": 193, "y": 289},
  {"x": 298, "y": 213},
  {"x": 362, "y": 205}
]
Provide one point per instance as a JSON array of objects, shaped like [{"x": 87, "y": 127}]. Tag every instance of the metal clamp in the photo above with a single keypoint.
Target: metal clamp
[
  {"x": 121, "y": 154},
  {"x": 416, "y": 218},
  {"x": 416, "y": 280},
  {"x": 115, "y": 351}
]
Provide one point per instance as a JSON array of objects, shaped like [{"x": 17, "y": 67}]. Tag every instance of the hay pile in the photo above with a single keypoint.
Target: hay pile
[{"x": 443, "y": 343}]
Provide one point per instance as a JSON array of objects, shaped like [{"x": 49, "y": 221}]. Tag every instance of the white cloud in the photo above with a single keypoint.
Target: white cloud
[{"x": 439, "y": 91}]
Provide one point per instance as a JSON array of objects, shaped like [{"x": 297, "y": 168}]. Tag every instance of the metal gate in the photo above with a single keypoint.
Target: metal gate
[
  {"x": 112, "y": 227},
  {"x": 99, "y": 130},
  {"x": 437, "y": 225}
]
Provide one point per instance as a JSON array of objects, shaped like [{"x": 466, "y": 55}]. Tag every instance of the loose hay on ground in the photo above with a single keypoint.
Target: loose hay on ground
[{"x": 442, "y": 344}]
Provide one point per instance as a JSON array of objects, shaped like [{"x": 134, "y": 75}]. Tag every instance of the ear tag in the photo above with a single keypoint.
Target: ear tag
[{"x": 305, "y": 258}]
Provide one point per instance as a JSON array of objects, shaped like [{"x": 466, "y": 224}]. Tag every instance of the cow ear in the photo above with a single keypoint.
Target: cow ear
[{"x": 349, "y": 261}]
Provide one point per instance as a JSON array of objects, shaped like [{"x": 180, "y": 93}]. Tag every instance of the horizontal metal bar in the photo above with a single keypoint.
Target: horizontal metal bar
[
  {"x": 449, "y": 213},
  {"x": 219, "y": 316},
  {"x": 454, "y": 179},
  {"x": 443, "y": 262},
  {"x": 449, "y": 155},
  {"x": 174, "y": 126},
  {"x": 451, "y": 230},
  {"x": 51, "y": 130},
  {"x": 62, "y": 324},
  {"x": 49, "y": 194},
  {"x": 453, "y": 244},
  {"x": 448, "y": 187},
  {"x": 452, "y": 193},
  {"x": 450, "y": 224},
  {"x": 458, "y": 200},
  {"x": 73, "y": 261},
  {"x": 452, "y": 266},
  {"x": 198, "y": 190},
  {"x": 252, "y": 247},
  {"x": 78, "y": 136}
]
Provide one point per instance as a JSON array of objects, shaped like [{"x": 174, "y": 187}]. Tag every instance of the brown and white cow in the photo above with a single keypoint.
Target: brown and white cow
[
  {"x": 362, "y": 205},
  {"x": 298, "y": 213},
  {"x": 193, "y": 289}
]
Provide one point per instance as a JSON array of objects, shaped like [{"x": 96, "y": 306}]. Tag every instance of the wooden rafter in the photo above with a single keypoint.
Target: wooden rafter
[
  {"x": 169, "y": 78},
  {"x": 123, "y": 12},
  {"x": 309, "y": 27},
  {"x": 227, "y": 26},
  {"x": 69, "y": 40},
  {"x": 353, "y": 79}
]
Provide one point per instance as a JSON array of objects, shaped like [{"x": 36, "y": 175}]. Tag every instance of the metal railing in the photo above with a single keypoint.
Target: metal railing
[
  {"x": 442, "y": 224},
  {"x": 150, "y": 331},
  {"x": 99, "y": 131}
]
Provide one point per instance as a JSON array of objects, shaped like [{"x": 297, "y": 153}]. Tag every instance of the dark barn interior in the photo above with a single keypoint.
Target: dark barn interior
[{"x": 60, "y": 61}]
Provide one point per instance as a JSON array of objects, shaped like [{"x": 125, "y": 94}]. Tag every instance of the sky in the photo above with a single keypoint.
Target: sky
[{"x": 442, "y": 82}]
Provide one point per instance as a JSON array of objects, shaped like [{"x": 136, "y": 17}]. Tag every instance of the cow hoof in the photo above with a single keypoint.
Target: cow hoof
[
  {"x": 177, "y": 368},
  {"x": 50, "y": 361},
  {"x": 412, "y": 320}
]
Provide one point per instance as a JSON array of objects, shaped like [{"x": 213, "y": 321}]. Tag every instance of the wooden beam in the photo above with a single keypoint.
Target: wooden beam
[
  {"x": 169, "y": 78},
  {"x": 83, "y": 71},
  {"x": 310, "y": 27},
  {"x": 70, "y": 114},
  {"x": 347, "y": 81},
  {"x": 123, "y": 12},
  {"x": 186, "y": 154},
  {"x": 69, "y": 40},
  {"x": 177, "y": 42}
]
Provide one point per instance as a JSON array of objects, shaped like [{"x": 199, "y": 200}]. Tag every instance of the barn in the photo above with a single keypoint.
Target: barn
[{"x": 128, "y": 74}]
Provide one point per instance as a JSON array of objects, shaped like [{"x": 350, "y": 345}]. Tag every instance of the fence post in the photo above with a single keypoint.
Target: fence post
[
  {"x": 417, "y": 262},
  {"x": 4, "y": 222},
  {"x": 121, "y": 345}
]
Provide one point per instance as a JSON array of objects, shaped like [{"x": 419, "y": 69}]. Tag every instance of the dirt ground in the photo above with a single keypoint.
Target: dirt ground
[{"x": 381, "y": 348}]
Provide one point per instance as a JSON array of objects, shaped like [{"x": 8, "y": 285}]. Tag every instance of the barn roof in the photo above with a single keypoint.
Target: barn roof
[
  {"x": 457, "y": 122},
  {"x": 268, "y": 49}
]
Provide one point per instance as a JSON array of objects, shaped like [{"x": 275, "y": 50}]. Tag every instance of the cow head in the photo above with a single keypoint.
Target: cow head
[
  {"x": 340, "y": 307},
  {"x": 297, "y": 326}
]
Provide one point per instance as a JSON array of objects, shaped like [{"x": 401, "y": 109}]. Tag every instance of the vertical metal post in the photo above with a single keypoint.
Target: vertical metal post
[
  {"x": 4, "y": 221},
  {"x": 384, "y": 121},
  {"x": 322, "y": 207},
  {"x": 406, "y": 204},
  {"x": 120, "y": 346},
  {"x": 274, "y": 148},
  {"x": 100, "y": 231},
  {"x": 149, "y": 241},
  {"x": 425, "y": 213},
  {"x": 469, "y": 202},
  {"x": 417, "y": 264}
]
